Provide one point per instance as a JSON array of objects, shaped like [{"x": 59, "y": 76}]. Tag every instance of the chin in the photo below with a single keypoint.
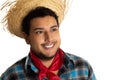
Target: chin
[{"x": 44, "y": 57}]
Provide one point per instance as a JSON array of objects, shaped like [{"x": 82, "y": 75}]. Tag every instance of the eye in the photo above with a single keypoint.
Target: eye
[
  {"x": 39, "y": 32},
  {"x": 54, "y": 29}
]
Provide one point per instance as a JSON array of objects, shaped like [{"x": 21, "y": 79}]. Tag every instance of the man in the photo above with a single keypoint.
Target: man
[{"x": 37, "y": 21}]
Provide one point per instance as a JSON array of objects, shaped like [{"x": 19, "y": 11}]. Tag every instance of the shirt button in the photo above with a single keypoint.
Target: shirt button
[{"x": 45, "y": 79}]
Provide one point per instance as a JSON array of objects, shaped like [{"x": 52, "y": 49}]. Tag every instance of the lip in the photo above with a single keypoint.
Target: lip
[{"x": 48, "y": 45}]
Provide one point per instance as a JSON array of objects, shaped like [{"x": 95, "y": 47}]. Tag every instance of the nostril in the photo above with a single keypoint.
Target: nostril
[{"x": 48, "y": 37}]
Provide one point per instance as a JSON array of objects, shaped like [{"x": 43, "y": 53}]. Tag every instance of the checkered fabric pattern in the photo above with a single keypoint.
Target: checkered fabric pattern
[{"x": 74, "y": 68}]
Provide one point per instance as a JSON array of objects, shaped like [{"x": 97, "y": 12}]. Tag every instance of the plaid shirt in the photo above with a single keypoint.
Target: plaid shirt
[{"x": 74, "y": 68}]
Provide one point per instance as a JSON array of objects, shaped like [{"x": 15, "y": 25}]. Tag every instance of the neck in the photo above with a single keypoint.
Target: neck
[{"x": 47, "y": 63}]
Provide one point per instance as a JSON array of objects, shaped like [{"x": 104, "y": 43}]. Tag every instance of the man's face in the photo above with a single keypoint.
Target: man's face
[{"x": 44, "y": 37}]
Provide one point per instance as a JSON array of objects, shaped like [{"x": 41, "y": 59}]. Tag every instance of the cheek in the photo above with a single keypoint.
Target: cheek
[
  {"x": 58, "y": 37},
  {"x": 35, "y": 40}
]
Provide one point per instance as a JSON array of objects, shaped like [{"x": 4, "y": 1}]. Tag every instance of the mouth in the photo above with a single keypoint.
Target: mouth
[{"x": 48, "y": 45}]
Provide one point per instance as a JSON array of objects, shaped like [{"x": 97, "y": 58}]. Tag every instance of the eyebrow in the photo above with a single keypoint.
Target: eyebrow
[
  {"x": 39, "y": 28},
  {"x": 54, "y": 26}
]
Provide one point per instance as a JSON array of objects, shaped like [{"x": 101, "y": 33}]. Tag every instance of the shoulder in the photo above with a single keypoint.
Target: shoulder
[
  {"x": 78, "y": 61},
  {"x": 79, "y": 68},
  {"x": 11, "y": 72}
]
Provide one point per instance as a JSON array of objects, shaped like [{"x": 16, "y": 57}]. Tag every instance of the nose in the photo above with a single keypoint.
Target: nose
[{"x": 48, "y": 37}]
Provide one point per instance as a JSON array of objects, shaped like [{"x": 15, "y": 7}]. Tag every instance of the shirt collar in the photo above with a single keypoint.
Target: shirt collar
[
  {"x": 69, "y": 62},
  {"x": 30, "y": 66}
]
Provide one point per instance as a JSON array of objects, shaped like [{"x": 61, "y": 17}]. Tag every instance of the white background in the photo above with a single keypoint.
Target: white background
[{"x": 91, "y": 29}]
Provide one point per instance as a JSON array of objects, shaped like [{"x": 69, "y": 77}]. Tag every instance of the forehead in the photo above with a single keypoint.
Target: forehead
[{"x": 42, "y": 22}]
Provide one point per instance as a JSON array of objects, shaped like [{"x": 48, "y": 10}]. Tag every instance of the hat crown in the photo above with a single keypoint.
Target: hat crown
[{"x": 20, "y": 8}]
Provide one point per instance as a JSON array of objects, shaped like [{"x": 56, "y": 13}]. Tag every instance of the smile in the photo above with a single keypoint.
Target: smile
[{"x": 47, "y": 46}]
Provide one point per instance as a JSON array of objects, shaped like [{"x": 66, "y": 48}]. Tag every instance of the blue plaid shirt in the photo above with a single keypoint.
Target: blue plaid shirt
[{"x": 74, "y": 68}]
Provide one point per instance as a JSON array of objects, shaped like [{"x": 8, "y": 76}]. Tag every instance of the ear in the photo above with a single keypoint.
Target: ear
[{"x": 26, "y": 37}]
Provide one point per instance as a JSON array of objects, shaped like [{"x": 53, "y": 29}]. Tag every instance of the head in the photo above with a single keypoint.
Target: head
[{"x": 41, "y": 31}]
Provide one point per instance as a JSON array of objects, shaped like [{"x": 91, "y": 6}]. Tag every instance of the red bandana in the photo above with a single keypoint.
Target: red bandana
[{"x": 48, "y": 72}]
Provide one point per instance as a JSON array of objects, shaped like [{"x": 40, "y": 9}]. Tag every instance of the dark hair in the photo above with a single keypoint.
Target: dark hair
[{"x": 38, "y": 12}]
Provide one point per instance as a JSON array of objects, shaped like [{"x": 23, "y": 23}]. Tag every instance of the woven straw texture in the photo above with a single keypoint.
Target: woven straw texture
[{"x": 20, "y": 8}]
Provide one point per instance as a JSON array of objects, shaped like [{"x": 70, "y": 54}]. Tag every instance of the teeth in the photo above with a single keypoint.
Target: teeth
[{"x": 49, "y": 46}]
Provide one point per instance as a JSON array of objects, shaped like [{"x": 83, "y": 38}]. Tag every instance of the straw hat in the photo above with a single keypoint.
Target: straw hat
[{"x": 20, "y": 8}]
